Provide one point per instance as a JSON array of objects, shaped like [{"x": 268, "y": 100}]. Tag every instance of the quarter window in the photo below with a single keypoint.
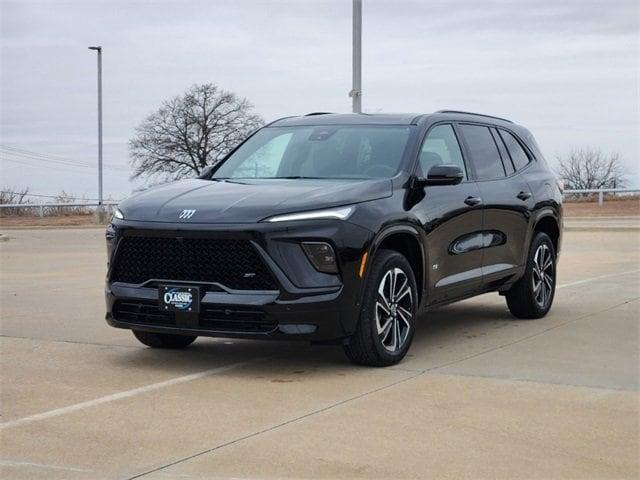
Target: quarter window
[
  {"x": 441, "y": 148},
  {"x": 484, "y": 152},
  {"x": 506, "y": 159},
  {"x": 518, "y": 155}
]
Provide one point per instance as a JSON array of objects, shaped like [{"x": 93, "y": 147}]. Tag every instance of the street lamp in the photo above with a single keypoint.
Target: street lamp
[
  {"x": 99, "y": 50},
  {"x": 356, "y": 91}
]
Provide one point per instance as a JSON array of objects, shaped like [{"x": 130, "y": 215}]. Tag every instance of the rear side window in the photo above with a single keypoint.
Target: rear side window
[
  {"x": 506, "y": 159},
  {"x": 484, "y": 152},
  {"x": 441, "y": 148},
  {"x": 518, "y": 155}
]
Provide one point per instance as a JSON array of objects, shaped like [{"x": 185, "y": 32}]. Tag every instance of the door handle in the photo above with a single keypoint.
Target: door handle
[
  {"x": 524, "y": 195},
  {"x": 472, "y": 201}
]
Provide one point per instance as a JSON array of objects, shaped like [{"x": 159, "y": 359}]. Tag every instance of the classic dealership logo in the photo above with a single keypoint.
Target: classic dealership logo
[
  {"x": 186, "y": 214},
  {"x": 179, "y": 299}
]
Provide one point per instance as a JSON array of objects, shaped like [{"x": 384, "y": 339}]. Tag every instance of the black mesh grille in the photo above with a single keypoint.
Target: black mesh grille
[
  {"x": 217, "y": 318},
  {"x": 235, "y": 320},
  {"x": 232, "y": 263},
  {"x": 142, "y": 312}
]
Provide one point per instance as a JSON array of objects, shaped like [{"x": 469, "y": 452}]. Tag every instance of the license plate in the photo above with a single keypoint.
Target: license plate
[{"x": 179, "y": 299}]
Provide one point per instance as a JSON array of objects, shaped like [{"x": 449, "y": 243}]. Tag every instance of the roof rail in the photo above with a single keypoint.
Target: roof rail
[
  {"x": 476, "y": 114},
  {"x": 277, "y": 120},
  {"x": 313, "y": 114}
]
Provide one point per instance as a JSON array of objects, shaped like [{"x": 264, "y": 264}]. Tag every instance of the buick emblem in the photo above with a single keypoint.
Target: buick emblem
[{"x": 186, "y": 214}]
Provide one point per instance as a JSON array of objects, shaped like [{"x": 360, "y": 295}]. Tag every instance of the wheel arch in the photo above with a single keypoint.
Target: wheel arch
[
  {"x": 404, "y": 239},
  {"x": 549, "y": 223}
]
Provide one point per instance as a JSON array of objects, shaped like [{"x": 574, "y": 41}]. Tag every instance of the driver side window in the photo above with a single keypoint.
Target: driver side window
[{"x": 441, "y": 147}]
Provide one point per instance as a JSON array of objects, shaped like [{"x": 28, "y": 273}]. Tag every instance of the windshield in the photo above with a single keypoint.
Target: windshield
[{"x": 319, "y": 152}]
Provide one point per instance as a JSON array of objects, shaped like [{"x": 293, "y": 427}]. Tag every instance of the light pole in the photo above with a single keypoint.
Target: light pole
[
  {"x": 100, "y": 207},
  {"x": 356, "y": 91}
]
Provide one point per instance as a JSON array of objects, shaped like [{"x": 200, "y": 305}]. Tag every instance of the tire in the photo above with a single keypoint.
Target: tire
[
  {"x": 524, "y": 299},
  {"x": 394, "y": 312},
  {"x": 164, "y": 340}
]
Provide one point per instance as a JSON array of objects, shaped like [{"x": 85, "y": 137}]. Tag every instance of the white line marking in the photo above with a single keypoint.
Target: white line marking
[
  {"x": 9, "y": 463},
  {"x": 126, "y": 394},
  {"x": 593, "y": 279}
]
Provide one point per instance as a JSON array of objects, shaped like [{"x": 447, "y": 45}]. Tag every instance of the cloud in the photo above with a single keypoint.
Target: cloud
[{"x": 567, "y": 70}]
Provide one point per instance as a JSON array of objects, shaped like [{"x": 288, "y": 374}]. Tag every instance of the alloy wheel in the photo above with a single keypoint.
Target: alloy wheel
[
  {"x": 394, "y": 307},
  {"x": 543, "y": 275}
]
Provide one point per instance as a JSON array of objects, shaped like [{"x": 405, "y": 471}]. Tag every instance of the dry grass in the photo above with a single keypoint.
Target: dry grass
[
  {"x": 86, "y": 220},
  {"x": 612, "y": 207}
]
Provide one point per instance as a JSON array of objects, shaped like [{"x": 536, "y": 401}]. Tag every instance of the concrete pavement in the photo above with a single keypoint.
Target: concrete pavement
[{"x": 481, "y": 395}]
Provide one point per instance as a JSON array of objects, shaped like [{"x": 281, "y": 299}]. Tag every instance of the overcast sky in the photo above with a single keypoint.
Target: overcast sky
[{"x": 568, "y": 70}]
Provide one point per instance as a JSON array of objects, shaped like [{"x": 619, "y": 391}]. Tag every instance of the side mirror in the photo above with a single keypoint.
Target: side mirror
[{"x": 441, "y": 175}]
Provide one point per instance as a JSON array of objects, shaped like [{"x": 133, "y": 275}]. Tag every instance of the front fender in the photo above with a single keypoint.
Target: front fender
[{"x": 389, "y": 231}]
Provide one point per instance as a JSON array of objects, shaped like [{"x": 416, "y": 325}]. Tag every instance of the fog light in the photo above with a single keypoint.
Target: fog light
[{"x": 321, "y": 256}]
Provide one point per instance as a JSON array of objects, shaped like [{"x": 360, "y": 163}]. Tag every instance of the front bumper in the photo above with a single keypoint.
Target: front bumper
[{"x": 305, "y": 305}]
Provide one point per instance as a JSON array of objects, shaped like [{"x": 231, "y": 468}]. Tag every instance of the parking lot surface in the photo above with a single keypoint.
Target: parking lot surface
[{"x": 481, "y": 395}]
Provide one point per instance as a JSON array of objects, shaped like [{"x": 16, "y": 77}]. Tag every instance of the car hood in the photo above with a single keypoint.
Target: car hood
[{"x": 245, "y": 201}]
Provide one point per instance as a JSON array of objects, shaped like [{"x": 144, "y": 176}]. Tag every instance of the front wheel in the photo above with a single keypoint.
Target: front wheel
[
  {"x": 532, "y": 295},
  {"x": 164, "y": 340},
  {"x": 387, "y": 319}
]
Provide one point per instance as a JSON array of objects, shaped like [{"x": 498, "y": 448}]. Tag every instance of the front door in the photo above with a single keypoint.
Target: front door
[{"x": 451, "y": 216}]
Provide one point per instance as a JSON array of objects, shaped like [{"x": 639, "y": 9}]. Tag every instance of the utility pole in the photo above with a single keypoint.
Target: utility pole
[
  {"x": 356, "y": 91},
  {"x": 100, "y": 207}
]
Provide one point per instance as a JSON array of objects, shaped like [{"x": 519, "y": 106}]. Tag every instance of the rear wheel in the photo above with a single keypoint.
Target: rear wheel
[
  {"x": 163, "y": 340},
  {"x": 386, "y": 326},
  {"x": 532, "y": 295}
]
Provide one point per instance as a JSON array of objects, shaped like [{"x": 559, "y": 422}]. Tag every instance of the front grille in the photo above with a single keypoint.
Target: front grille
[
  {"x": 217, "y": 318},
  {"x": 235, "y": 320},
  {"x": 232, "y": 263},
  {"x": 142, "y": 312}
]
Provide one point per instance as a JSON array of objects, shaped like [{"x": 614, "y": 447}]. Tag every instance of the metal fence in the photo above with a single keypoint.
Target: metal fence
[
  {"x": 601, "y": 192},
  {"x": 42, "y": 208}
]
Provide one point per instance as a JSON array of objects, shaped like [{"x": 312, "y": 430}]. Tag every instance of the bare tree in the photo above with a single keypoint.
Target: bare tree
[
  {"x": 190, "y": 132},
  {"x": 13, "y": 196},
  {"x": 588, "y": 168}
]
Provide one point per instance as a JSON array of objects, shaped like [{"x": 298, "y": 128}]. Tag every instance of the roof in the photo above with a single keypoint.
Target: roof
[
  {"x": 349, "y": 119},
  {"x": 321, "y": 118}
]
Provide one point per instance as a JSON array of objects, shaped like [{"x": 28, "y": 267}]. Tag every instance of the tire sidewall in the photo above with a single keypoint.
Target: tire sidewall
[
  {"x": 381, "y": 265},
  {"x": 539, "y": 239}
]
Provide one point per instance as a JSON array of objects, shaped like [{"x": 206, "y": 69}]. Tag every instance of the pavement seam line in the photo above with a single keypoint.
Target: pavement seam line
[
  {"x": 72, "y": 342},
  {"x": 593, "y": 279},
  {"x": 125, "y": 394},
  {"x": 275, "y": 427}
]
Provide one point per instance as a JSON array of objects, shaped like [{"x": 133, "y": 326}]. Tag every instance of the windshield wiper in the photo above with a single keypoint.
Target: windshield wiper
[{"x": 296, "y": 177}]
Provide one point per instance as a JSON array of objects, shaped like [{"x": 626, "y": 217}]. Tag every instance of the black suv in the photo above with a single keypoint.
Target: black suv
[{"x": 340, "y": 228}]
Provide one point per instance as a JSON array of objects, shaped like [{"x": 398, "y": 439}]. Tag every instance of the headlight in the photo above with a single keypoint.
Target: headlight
[
  {"x": 117, "y": 213},
  {"x": 341, "y": 213}
]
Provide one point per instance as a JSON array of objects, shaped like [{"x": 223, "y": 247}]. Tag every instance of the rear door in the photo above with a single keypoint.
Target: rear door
[
  {"x": 506, "y": 197},
  {"x": 452, "y": 219}
]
